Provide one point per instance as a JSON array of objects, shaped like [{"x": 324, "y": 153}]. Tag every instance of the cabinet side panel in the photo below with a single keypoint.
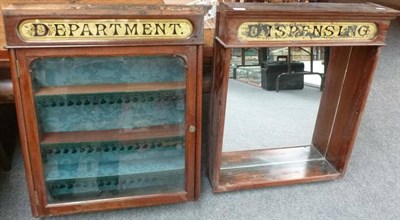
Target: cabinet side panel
[
  {"x": 191, "y": 119},
  {"x": 31, "y": 128},
  {"x": 217, "y": 114},
  {"x": 199, "y": 100},
  {"x": 352, "y": 100},
  {"x": 22, "y": 133},
  {"x": 337, "y": 67}
]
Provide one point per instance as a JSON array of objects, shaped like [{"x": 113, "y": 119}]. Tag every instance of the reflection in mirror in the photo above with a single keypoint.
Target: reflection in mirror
[{"x": 271, "y": 104}]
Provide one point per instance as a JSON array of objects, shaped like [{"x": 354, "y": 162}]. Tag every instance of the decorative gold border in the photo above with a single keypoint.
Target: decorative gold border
[
  {"x": 307, "y": 31},
  {"x": 72, "y": 30}
]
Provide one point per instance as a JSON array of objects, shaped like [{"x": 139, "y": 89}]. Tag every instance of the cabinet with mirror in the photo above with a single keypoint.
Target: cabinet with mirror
[{"x": 288, "y": 92}]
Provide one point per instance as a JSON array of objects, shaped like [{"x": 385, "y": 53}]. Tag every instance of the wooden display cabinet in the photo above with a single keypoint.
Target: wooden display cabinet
[
  {"x": 109, "y": 103},
  {"x": 355, "y": 33}
]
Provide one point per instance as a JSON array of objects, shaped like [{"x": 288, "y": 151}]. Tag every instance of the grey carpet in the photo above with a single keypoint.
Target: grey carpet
[{"x": 369, "y": 190}]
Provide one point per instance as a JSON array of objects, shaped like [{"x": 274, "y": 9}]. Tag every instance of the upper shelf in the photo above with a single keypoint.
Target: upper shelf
[
  {"x": 109, "y": 88},
  {"x": 153, "y": 132}
]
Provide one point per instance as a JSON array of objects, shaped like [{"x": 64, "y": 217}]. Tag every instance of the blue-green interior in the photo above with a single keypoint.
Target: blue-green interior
[
  {"x": 110, "y": 111},
  {"x": 63, "y": 71},
  {"x": 93, "y": 170}
]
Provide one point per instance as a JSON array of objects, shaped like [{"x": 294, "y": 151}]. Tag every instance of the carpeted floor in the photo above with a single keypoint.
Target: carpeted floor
[{"x": 369, "y": 190}]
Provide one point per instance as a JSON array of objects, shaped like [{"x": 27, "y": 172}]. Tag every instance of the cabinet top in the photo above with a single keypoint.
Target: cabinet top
[
  {"x": 300, "y": 24},
  {"x": 71, "y": 25},
  {"x": 101, "y": 10},
  {"x": 336, "y": 10}
]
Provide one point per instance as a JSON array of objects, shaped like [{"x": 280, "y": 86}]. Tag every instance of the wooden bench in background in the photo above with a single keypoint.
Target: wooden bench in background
[{"x": 8, "y": 121}]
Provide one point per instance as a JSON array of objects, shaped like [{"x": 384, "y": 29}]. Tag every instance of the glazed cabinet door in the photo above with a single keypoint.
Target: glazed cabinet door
[{"x": 105, "y": 123}]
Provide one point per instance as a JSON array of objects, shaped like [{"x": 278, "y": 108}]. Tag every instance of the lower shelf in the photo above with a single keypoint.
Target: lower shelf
[
  {"x": 270, "y": 167},
  {"x": 116, "y": 186},
  {"x": 79, "y": 171},
  {"x": 96, "y": 167}
]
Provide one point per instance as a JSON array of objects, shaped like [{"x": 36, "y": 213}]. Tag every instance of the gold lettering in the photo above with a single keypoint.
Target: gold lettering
[
  {"x": 329, "y": 31},
  {"x": 104, "y": 29},
  {"x": 147, "y": 29},
  {"x": 101, "y": 28},
  {"x": 115, "y": 30},
  {"x": 174, "y": 28},
  {"x": 305, "y": 31},
  {"x": 72, "y": 29},
  {"x": 161, "y": 28},
  {"x": 253, "y": 30},
  {"x": 352, "y": 31},
  {"x": 40, "y": 30},
  {"x": 60, "y": 29},
  {"x": 131, "y": 30},
  {"x": 363, "y": 30},
  {"x": 280, "y": 32},
  {"x": 317, "y": 30},
  {"x": 86, "y": 29}
]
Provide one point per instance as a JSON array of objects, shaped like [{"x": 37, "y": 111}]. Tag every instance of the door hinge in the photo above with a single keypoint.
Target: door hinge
[
  {"x": 36, "y": 198},
  {"x": 17, "y": 67}
]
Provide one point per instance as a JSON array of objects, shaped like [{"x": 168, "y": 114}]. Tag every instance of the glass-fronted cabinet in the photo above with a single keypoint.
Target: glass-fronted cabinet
[{"x": 109, "y": 126}]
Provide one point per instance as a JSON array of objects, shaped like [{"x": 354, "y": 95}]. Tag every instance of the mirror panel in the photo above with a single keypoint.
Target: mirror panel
[{"x": 267, "y": 107}]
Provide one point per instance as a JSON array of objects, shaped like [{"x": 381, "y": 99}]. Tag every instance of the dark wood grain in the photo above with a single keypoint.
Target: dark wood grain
[
  {"x": 199, "y": 113},
  {"x": 191, "y": 118},
  {"x": 113, "y": 135},
  {"x": 316, "y": 9},
  {"x": 109, "y": 88},
  {"x": 36, "y": 211},
  {"x": 217, "y": 112},
  {"x": 272, "y": 167},
  {"x": 265, "y": 157},
  {"x": 353, "y": 97},
  {"x": 115, "y": 203},
  {"x": 335, "y": 76}
]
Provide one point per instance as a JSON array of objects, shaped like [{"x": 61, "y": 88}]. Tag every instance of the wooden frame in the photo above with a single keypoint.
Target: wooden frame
[
  {"x": 22, "y": 54},
  {"x": 350, "y": 71}
]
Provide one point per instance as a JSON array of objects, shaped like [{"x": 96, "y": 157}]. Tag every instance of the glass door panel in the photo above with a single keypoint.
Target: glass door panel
[{"x": 110, "y": 126}]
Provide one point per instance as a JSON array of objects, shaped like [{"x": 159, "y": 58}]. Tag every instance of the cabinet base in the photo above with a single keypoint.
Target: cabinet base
[{"x": 273, "y": 167}]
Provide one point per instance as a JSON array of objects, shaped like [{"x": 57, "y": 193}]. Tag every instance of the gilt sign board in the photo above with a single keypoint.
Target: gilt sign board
[
  {"x": 44, "y": 30},
  {"x": 307, "y": 31}
]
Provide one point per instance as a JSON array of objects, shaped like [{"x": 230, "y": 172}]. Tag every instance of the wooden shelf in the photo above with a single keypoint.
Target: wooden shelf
[
  {"x": 153, "y": 132},
  {"x": 271, "y": 167},
  {"x": 126, "y": 185},
  {"x": 95, "y": 168},
  {"x": 109, "y": 88}
]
